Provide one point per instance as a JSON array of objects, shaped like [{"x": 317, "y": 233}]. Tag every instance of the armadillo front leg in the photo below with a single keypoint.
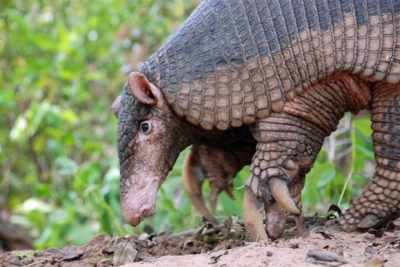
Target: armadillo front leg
[
  {"x": 286, "y": 150},
  {"x": 380, "y": 201}
]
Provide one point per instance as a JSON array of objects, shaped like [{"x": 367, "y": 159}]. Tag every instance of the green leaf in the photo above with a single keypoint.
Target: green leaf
[
  {"x": 364, "y": 126},
  {"x": 327, "y": 176}
]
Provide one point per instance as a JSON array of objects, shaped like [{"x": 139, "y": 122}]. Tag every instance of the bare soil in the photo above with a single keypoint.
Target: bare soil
[{"x": 223, "y": 245}]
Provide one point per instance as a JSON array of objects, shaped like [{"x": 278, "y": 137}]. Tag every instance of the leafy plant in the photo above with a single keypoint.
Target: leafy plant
[{"x": 62, "y": 65}]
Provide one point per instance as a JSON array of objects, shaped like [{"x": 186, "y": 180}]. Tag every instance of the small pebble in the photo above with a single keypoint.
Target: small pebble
[{"x": 269, "y": 253}]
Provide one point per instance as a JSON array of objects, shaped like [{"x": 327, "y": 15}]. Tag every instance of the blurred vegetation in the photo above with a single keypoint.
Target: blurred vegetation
[{"x": 62, "y": 64}]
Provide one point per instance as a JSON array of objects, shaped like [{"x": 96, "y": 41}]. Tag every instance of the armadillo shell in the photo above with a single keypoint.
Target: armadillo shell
[
  {"x": 235, "y": 61},
  {"x": 217, "y": 70}
]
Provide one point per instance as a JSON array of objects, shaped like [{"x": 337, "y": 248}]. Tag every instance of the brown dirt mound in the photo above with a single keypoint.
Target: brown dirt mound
[{"x": 218, "y": 247}]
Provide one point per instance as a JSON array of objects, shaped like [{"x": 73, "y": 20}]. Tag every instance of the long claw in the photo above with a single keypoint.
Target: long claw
[
  {"x": 280, "y": 192},
  {"x": 229, "y": 190},
  {"x": 192, "y": 185},
  {"x": 214, "y": 198},
  {"x": 252, "y": 217},
  {"x": 299, "y": 224},
  {"x": 217, "y": 187}
]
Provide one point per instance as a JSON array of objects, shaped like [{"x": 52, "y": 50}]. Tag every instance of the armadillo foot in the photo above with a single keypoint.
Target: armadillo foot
[
  {"x": 277, "y": 213},
  {"x": 252, "y": 217},
  {"x": 219, "y": 165},
  {"x": 377, "y": 205},
  {"x": 380, "y": 201},
  {"x": 279, "y": 165},
  {"x": 349, "y": 223},
  {"x": 352, "y": 221}
]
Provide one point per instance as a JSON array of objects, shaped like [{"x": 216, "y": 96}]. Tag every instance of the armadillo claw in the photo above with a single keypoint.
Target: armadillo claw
[
  {"x": 216, "y": 189},
  {"x": 252, "y": 217},
  {"x": 280, "y": 192},
  {"x": 214, "y": 197},
  {"x": 192, "y": 185},
  {"x": 299, "y": 224}
]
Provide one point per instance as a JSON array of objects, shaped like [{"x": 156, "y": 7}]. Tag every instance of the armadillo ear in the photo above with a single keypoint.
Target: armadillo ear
[
  {"x": 116, "y": 105},
  {"x": 142, "y": 89}
]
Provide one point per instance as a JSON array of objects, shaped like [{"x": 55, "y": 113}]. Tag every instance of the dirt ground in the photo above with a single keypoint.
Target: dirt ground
[{"x": 223, "y": 245}]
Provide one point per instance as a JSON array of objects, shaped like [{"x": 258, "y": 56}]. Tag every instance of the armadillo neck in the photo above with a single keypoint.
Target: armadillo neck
[{"x": 234, "y": 61}]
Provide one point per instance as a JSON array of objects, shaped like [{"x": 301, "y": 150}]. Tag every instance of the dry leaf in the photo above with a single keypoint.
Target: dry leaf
[{"x": 124, "y": 252}]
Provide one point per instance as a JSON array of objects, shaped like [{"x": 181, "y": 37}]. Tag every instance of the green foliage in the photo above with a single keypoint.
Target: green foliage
[
  {"x": 62, "y": 64},
  {"x": 340, "y": 170}
]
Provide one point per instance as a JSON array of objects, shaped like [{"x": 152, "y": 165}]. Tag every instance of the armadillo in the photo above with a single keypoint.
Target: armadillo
[{"x": 285, "y": 71}]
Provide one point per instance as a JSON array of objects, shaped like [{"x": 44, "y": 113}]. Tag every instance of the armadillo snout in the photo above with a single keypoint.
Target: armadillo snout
[
  {"x": 139, "y": 202},
  {"x": 135, "y": 217}
]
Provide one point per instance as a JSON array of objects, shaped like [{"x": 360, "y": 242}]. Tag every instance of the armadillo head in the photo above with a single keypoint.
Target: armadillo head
[{"x": 150, "y": 138}]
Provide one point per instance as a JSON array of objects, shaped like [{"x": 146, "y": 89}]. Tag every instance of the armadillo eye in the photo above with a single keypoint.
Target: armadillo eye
[{"x": 145, "y": 127}]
